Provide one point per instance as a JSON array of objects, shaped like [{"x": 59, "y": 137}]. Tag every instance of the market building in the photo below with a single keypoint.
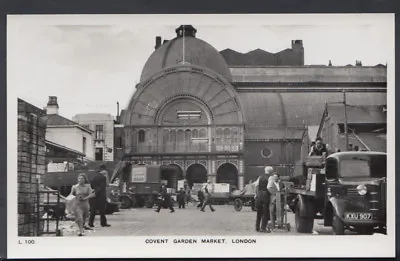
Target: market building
[{"x": 224, "y": 115}]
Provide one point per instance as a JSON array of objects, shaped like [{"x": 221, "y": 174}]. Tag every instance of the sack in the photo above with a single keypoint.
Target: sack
[{"x": 70, "y": 206}]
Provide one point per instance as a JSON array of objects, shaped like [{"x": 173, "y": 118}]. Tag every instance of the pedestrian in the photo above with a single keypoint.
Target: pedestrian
[
  {"x": 79, "y": 205},
  {"x": 200, "y": 196},
  {"x": 166, "y": 199},
  {"x": 262, "y": 201},
  {"x": 356, "y": 148},
  {"x": 207, "y": 197},
  {"x": 99, "y": 202},
  {"x": 181, "y": 198},
  {"x": 126, "y": 171},
  {"x": 274, "y": 186}
]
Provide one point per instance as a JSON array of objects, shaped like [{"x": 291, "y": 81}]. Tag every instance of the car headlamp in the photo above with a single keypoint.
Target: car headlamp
[{"x": 362, "y": 190}]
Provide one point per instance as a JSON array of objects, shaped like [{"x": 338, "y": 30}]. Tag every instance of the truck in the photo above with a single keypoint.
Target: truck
[
  {"x": 63, "y": 181},
  {"x": 346, "y": 189},
  {"x": 143, "y": 187}
]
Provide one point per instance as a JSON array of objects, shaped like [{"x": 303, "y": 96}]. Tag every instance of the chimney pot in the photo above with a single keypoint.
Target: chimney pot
[{"x": 158, "y": 42}]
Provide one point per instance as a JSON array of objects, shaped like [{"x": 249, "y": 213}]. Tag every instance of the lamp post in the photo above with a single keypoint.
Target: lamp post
[{"x": 345, "y": 120}]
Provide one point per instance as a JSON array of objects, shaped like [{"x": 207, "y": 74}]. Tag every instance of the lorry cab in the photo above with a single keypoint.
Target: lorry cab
[{"x": 355, "y": 191}]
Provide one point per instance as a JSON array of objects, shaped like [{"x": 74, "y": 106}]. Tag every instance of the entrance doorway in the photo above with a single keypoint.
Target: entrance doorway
[
  {"x": 228, "y": 173},
  {"x": 196, "y": 173},
  {"x": 99, "y": 154},
  {"x": 171, "y": 173}
]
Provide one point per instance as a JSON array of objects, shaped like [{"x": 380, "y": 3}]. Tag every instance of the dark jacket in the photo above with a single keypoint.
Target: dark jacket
[
  {"x": 200, "y": 195},
  {"x": 99, "y": 184},
  {"x": 262, "y": 190},
  {"x": 181, "y": 195},
  {"x": 318, "y": 151}
]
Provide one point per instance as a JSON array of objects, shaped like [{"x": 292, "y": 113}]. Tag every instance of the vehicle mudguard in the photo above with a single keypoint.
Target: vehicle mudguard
[
  {"x": 306, "y": 206},
  {"x": 338, "y": 206}
]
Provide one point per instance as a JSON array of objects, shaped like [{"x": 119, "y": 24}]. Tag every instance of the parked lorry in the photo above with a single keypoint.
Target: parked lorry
[
  {"x": 143, "y": 187},
  {"x": 346, "y": 189},
  {"x": 63, "y": 181}
]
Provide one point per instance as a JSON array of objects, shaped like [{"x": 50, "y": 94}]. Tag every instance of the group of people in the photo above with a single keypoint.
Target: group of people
[
  {"x": 266, "y": 200},
  {"x": 204, "y": 196},
  {"x": 89, "y": 198}
]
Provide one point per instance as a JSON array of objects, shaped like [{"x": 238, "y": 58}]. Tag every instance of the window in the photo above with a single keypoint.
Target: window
[
  {"x": 99, "y": 132},
  {"x": 266, "y": 153},
  {"x": 142, "y": 136},
  {"x": 185, "y": 115},
  {"x": 84, "y": 145}
]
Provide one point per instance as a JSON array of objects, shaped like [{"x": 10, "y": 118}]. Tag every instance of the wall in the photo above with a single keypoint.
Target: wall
[
  {"x": 283, "y": 153},
  {"x": 93, "y": 119},
  {"x": 31, "y": 168},
  {"x": 71, "y": 137}
]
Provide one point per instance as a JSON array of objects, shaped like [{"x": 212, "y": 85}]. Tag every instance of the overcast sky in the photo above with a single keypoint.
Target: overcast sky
[{"x": 90, "y": 63}]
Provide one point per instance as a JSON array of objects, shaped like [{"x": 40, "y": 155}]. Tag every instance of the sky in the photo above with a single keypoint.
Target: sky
[{"x": 92, "y": 62}]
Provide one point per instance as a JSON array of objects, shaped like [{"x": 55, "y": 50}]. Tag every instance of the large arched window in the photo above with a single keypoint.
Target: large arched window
[{"x": 142, "y": 136}]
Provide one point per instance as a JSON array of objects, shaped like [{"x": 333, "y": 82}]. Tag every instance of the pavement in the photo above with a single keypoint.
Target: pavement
[{"x": 189, "y": 221}]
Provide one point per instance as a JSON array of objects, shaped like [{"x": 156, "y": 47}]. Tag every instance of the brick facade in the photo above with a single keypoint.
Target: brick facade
[{"x": 31, "y": 168}]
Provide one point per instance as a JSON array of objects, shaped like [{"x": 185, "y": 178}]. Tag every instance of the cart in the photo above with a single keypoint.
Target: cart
[
  {"x": 243, "y": 200},
  {"x": 281, "y": 222}
]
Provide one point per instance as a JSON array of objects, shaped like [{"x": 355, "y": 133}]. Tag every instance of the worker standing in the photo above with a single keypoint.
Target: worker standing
[{"x": 262, "y": 201}]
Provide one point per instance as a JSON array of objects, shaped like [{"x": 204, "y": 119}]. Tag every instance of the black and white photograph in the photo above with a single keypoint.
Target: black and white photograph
[{"x": 200, "y": 135}]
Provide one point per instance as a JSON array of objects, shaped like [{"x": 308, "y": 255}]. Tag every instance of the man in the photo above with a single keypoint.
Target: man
[
  {"x": 181, "y": 198},
  {"x": 318, "y": 149},
  {"x": 166, "y": 200},
  {"x": 200, "y": 196},
  {"x": 99, "y": 202},
  {"x": 126, "y": 171},
  {"x": 207, "y": 197},
  {"x": 275, "y": 186},
  {"x": 262, "y": 200}
]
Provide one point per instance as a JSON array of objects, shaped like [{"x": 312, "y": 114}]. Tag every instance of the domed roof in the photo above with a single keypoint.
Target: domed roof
[{"x": 197, "y": 52}]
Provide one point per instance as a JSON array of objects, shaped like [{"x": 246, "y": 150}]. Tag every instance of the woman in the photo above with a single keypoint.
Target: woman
[{"x": 80, "y": 204}]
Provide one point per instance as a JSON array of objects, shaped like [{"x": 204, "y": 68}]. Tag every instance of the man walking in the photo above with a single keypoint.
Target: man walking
[
  {"x": 200, "y": 196},
  {"x": 262, "y": 201},
  {"x": 181, "y": 198},
  {"x": 166, "y": 199},
  {"x": 99, "y": 202},
  {"x": 207, "y": 197}
]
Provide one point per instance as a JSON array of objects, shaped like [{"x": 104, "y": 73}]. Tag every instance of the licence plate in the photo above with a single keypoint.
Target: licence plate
[{"x": 358, "y": 216}]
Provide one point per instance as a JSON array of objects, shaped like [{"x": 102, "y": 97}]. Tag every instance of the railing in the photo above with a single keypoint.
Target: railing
[{"x": 184, "y": 148}]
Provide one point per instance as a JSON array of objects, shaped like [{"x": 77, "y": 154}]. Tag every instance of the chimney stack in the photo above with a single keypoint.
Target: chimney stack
[
  {"x": 52, "y": 105},
  {"x": 158, "y": 42}
]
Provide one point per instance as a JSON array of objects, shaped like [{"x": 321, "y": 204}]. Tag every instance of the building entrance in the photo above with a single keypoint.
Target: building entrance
[
  {"x": 228, "y": 173},
  {"x": 171, "y": 173},
  {"x": 196, "y": 173}
]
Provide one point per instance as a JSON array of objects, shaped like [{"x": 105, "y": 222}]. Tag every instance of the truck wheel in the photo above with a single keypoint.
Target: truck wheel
[
  {"x": 337, "y": 225},
  {"x": 303, "y": 224},
  {"x": 126, "y": 202},
  {"x": 238, "y": 204}
]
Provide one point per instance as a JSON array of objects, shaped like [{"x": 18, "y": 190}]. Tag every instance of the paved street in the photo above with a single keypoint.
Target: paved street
[{"x": 190, "y": 221}]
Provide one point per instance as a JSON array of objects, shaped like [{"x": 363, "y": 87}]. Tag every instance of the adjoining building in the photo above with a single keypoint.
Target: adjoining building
[
  {"x": 366, "y": 127},
  {"x": 224, "y": 116},
  {"x": 67, "y": 133},
  {"x": 102, "y": 126}
]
